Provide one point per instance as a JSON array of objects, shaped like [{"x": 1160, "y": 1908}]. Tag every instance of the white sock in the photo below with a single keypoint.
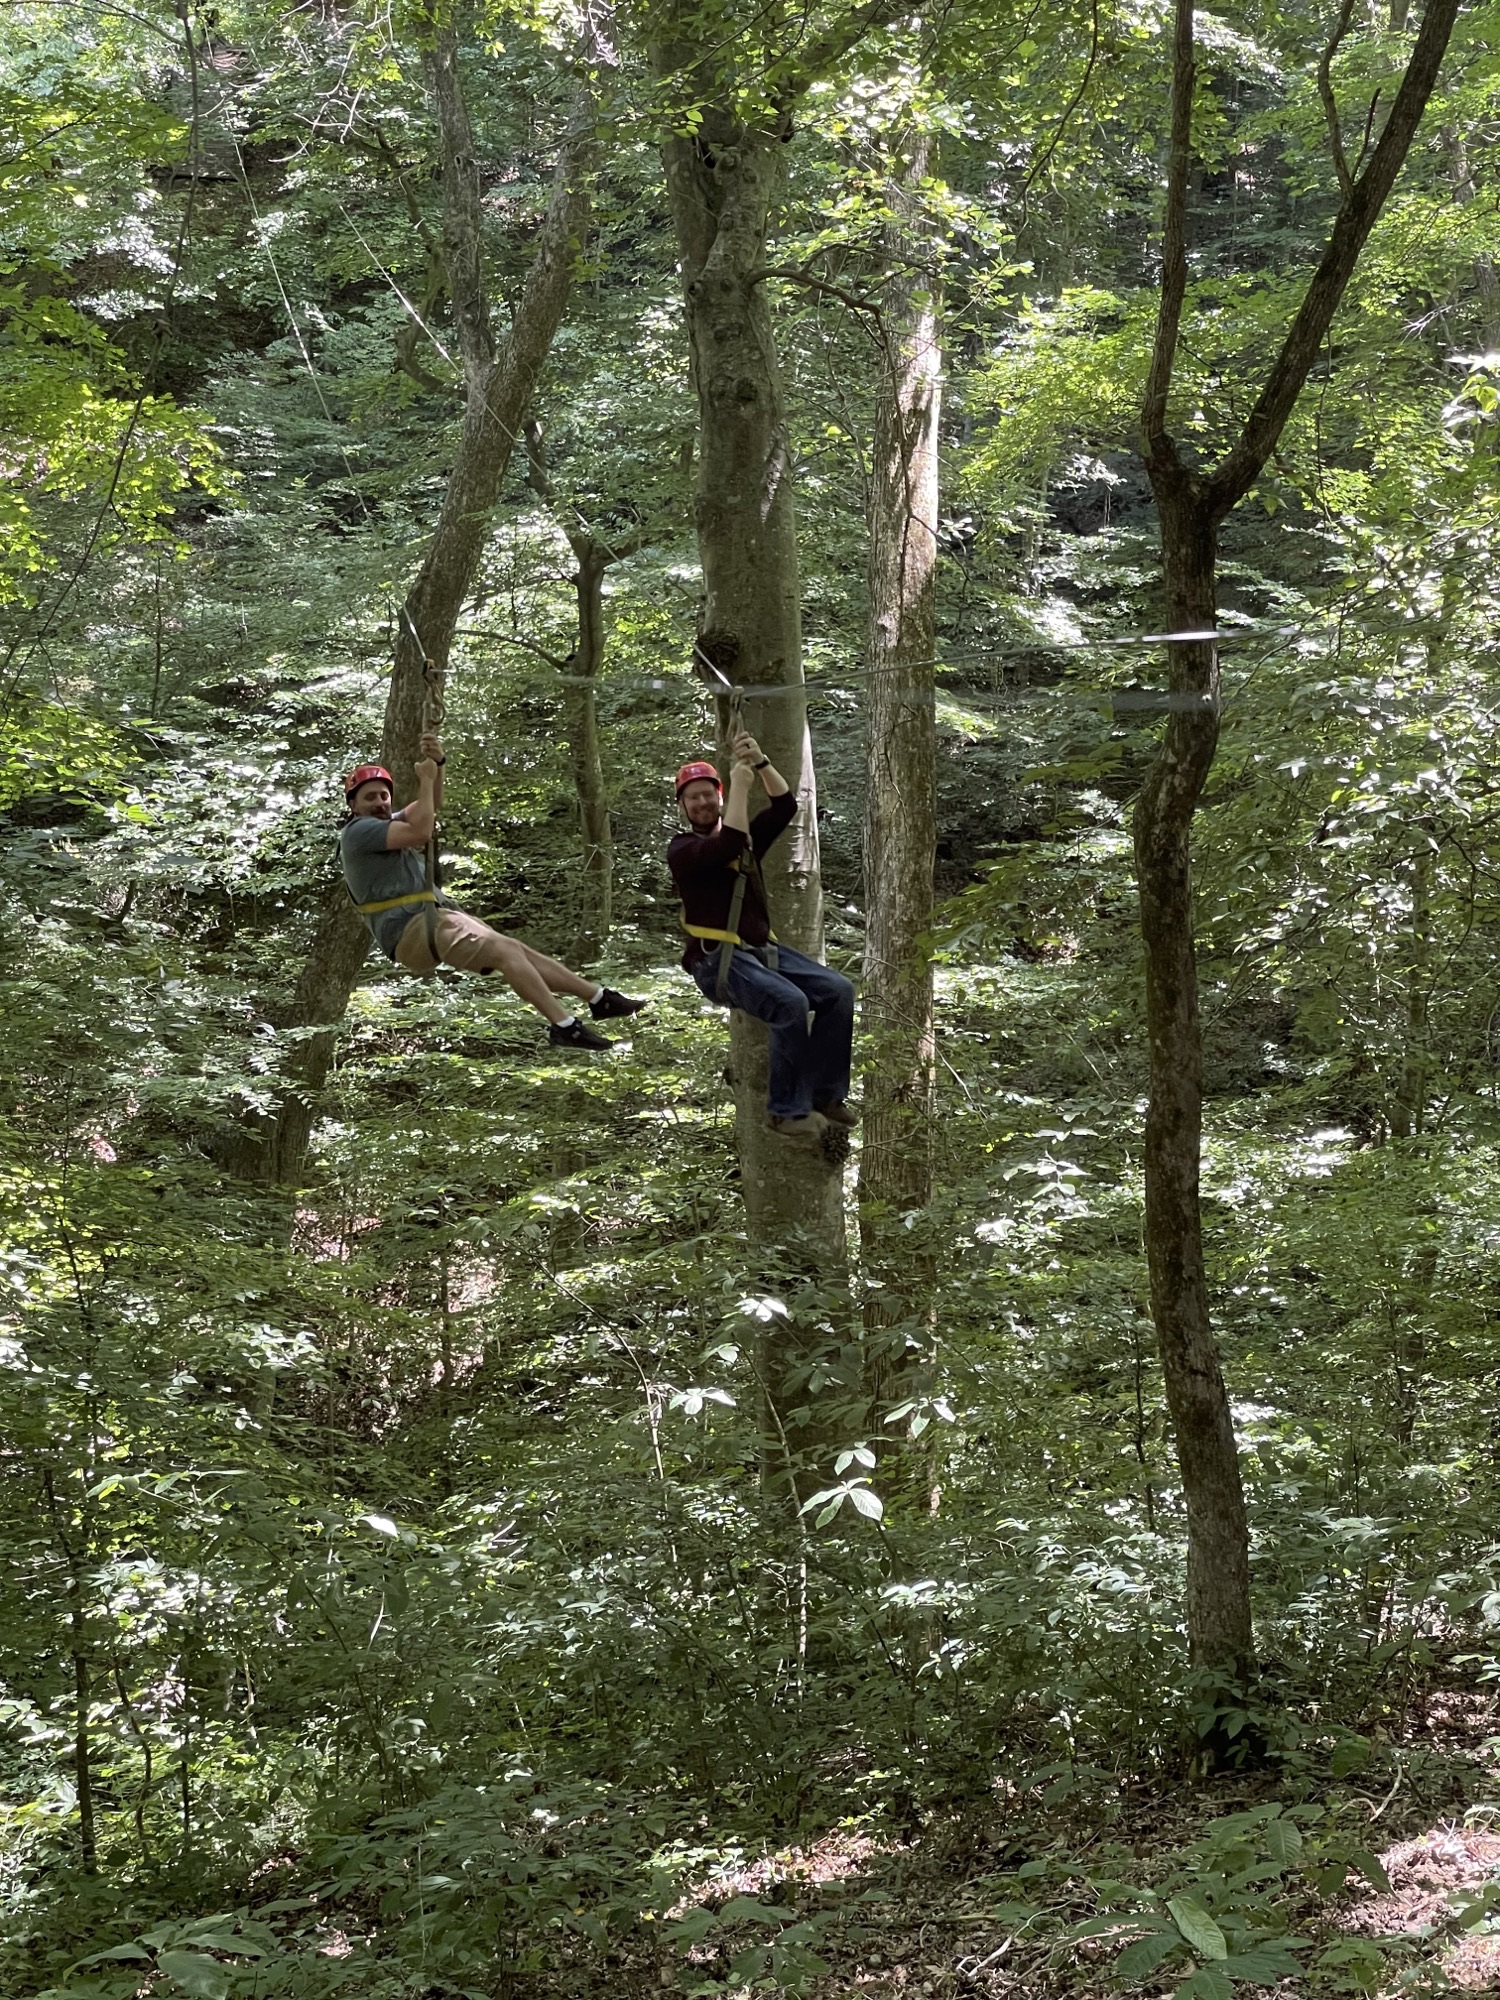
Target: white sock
[
  {"x": 596, "y": 996},
  {"x": 567, "y": 1021}
]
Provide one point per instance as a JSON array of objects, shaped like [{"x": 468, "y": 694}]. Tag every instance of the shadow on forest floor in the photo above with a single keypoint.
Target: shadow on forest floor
[{"x": 998, "y": 1899}]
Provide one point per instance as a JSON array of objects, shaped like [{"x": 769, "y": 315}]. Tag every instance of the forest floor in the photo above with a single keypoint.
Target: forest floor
[{"x": 988, "y": 1904}]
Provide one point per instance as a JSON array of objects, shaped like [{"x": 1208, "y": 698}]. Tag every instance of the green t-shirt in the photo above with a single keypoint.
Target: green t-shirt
[{"x": 374, "y": 872}]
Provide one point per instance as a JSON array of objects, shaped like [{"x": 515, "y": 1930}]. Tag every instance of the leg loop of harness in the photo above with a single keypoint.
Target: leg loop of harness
[
  {"x": 726, "y": 949},
  {"x": 750, "y": 866}
]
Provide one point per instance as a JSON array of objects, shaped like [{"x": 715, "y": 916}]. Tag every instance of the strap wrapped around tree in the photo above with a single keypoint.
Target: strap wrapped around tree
[
  {"x": 434, "y": 714},
  {"x": 709, "y": 671}
]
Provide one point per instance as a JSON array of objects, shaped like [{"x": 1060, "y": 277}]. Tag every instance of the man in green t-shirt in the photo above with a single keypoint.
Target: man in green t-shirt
[{"x": 382, "y": 854}]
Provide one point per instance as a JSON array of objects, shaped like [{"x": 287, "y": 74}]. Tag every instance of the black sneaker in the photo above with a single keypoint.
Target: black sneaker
[
  {"x": 612, "y": 1006},
  {"x": 577, "y": 1035}
]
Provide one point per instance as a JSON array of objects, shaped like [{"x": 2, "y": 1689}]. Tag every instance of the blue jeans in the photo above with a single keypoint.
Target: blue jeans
[{"x": 810, "y": 1013}]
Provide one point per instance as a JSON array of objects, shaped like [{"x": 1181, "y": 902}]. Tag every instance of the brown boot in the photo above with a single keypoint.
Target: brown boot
[
  {"x": 839, "y": 1113},
  {"x": 811, "y": 1126}
]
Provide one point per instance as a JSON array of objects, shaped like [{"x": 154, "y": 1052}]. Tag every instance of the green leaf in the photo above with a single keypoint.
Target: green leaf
[
  {"x": 749, "y": 1910},
  {"x": 1283, "y": 1840},
  {"x": 1370, "y": 1868},
  {"x": 1266, "y": 1962},
  {"x": 867, "y": 1503},
  {"x": 212, "y": 1940},
  {"x": 114, "y": 1951},
  {"x": 1351, "y": 1753},
  {"x": 693, "y": 1927},
  {"x": 205, "y": 1978},
  {"x": 1142, "y": 1955},
  {"x": 1197, "y": 1926},
  {"x": 1209, "y": 1982}
]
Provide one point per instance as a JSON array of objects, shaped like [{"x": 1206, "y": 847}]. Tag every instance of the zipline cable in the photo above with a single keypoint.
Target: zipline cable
[
  {"x": 263, "y": 238},
  {"x": 723, "y": 689}
]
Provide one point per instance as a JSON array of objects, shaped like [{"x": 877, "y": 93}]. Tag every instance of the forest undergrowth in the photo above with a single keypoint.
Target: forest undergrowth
[{"x": 441, "y": 1642}]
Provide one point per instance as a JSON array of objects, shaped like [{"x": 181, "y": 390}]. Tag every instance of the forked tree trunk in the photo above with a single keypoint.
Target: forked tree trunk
[
  {"x": 498, "y": 391},
  {"x": 900, "y": 837},
  {"x": 1192, "y": 504}
]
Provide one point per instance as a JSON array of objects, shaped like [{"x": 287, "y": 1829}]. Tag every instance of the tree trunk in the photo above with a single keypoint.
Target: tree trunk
[
  {"x": 1486, "y": 279},
  {"x": 1409, "y": 1102},
  {"x": 900, "y": 840},
  {"x": 1192, "y": 506},
  {"x": 592, "y": 557},
  {"x": 498, "y": 391},
  {"x": 74, "y": 1548},
  {"x": 1218, "y": 1561},
  {"x": 721, "y": 185},
  {"x": 595, "y": 911}
]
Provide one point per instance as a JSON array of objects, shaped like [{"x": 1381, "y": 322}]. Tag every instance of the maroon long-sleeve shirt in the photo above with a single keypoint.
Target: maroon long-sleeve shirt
[{"x": 704, "y": 875}]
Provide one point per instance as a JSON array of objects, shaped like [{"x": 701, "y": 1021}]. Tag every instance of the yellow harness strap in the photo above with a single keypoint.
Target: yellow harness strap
[
  {"x": 721, "y": 937},
  {"x": 396, "y": 902},
  {"x": 731, "y": 937}
]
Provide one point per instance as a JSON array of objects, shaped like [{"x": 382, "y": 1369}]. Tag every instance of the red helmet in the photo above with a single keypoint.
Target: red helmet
[
  {"x": 690, "y": 772},
  {"x": 362, "y": 776}
]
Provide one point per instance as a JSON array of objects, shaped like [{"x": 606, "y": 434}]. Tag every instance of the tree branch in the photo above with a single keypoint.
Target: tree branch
[
  {"x": 587, "y": 546},
  {"x": 1330, "y": 103},
  {"x": 1039, "y": 165},
  {"x": 1364, "y": 144},
  {"x": 790, "y": 274},
  {"x": 1351, "y": 227},
  {"x": 463, "y": 238},
  {"x": 1160, "y": 449},
  {"x": 529, "y": 646},
  {"x": 835, "y": 42}
]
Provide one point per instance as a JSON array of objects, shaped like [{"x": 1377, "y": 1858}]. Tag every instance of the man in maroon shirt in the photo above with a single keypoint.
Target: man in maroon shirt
[{"x": 733, "y": 956}]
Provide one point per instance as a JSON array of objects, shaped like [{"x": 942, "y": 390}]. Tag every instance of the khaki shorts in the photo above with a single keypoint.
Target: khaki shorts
[{"x": 461, "y": 943}]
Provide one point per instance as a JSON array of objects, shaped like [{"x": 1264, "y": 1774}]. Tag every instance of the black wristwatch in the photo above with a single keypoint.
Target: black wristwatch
[{"x": 761, "y": 765}]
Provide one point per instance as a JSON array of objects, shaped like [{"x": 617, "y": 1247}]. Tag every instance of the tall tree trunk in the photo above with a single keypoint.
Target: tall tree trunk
[
  {"x": 498, "y": 391},
  {"x": 900, "y": 835},
  {"x": 1192, "y": 505},
  {"x": 1218, "y": 1580},
  {"x": 595, "y": 911},
  {"x": 592, "y": 556},
  {"x": 722, "y": 183},
  {"x": 1486, "y": 278},
  {"x": 73, "y": 1547},
  {"x": 1409, "y": 1102}
]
